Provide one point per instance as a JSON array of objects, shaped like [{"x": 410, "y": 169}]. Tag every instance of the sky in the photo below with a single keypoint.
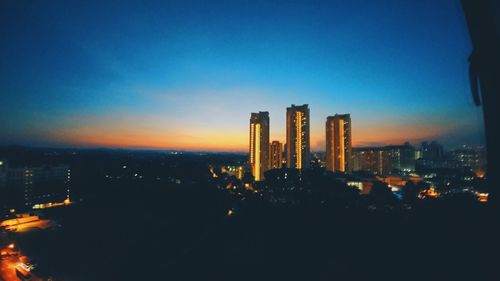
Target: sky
[{"x": 187, "y": 74}]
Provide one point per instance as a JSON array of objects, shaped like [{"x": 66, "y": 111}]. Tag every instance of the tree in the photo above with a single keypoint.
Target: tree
[
  {"x": 381, "y": 194},
  {"x": 410, "y": 192}
]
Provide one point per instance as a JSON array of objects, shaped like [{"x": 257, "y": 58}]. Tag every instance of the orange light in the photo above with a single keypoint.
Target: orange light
[
  {"x": 298, "y": 145},
  {"x": 431, "y": 192},
  {"x": 342, "y": 146},
  {"x": 66, "y": 201},
  {"x": 483, "y": 197},
  {"x": 11, "y": 246},
  {"x": 214, "y": 175},
  {"x": 480, "y": 173},
  {"x": 257, "y": 169}
]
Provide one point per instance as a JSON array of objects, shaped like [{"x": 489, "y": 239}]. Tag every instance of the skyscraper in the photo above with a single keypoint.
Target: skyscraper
[
  {"x": 338, "y": 143},
  {"x": 297, "y": 137},
  {"x": 276, "y": 155},
  {"x": 259, "y": 144}
]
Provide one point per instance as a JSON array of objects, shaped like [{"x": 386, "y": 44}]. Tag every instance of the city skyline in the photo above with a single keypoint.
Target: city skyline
[
  {"x": 187, "y": 139},
  {"x": 173, "y": 75}
]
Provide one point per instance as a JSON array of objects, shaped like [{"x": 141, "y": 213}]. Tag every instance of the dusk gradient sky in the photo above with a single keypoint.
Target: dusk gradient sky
[{"x": 187, "y": 74}]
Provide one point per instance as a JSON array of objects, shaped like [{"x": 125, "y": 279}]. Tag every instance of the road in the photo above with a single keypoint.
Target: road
[
  {"x": 8, "y": 269},
  {"x": 25, "y": 227}
]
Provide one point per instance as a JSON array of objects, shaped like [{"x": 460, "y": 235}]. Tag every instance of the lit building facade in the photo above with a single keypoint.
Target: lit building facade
[
  {"x": 298, "y": 137},
  {"x": 368, "y": 159},
  {"x": 338, "y": 143},
  {"x": 400, "y": 157},
  {"x": 259, "y": 144},
  {"x": 28, "y": 186},
  {"x": 384, "y": 160},
  {"x": 276, "y": 155},
  {"x": 468, "y": 159}
]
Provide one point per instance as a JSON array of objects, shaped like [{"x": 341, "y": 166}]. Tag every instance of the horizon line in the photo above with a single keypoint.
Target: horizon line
[{"x": 156, "y": 149}]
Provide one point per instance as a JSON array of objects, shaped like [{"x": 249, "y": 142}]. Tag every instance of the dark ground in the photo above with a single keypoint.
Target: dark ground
[
  {"x": 186, "y": 235},
  {"x": 150, "y": 229}
]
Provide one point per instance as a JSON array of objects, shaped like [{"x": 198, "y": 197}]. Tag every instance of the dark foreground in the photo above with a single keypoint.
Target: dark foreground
[
  {"x": 186, "y": 234},
  {"x": 173, "y": 224}
]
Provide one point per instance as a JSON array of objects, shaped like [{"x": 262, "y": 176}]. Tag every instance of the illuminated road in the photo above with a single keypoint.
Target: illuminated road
[
  {"x": 25, "y": 227},
  {"x": 7, "y": 268},
  {"x": 10, "y": 257}
]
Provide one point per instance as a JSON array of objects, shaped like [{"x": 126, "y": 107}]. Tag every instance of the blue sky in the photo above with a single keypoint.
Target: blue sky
[{"x": 187, "y": 74}]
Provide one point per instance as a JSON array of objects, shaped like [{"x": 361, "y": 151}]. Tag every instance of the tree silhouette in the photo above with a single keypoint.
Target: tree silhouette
[
  {"x": 381, "y": 194},
  {"x": 410, "y": 192}
]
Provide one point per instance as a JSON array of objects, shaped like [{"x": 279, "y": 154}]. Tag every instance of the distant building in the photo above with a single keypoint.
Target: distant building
[
  {"x": 433, "y": 157},
  {"x": 418, "y": 153},
  {"x": 384, "y": 160},
  {"x": 432, "y": 151},
  {"x": 25, "y": 187},
  {"x": 259, "y": 144},
  {"x": 298, "y": 136},
  {"x": 285, "y": 153},
  {"x": 400, "y": 157},
  {"x": 364, "y": 186},
  {"x": 3, "y": 173},
  {"x": 468, "y": 159},
  {"x": 368, "y": 159},
  {"x": 338, "y": 143},
  {"x": 397, "y": 182},
  {"x": 276, "y": 158}
]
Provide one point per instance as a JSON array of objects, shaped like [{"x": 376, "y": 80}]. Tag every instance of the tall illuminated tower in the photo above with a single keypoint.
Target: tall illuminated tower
[
  {"x": 338, "y": 143},
  {"x": 297, "y": 137},
  {"x": 259, "y": 144},
  {"x": 276, "y": 155}
]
